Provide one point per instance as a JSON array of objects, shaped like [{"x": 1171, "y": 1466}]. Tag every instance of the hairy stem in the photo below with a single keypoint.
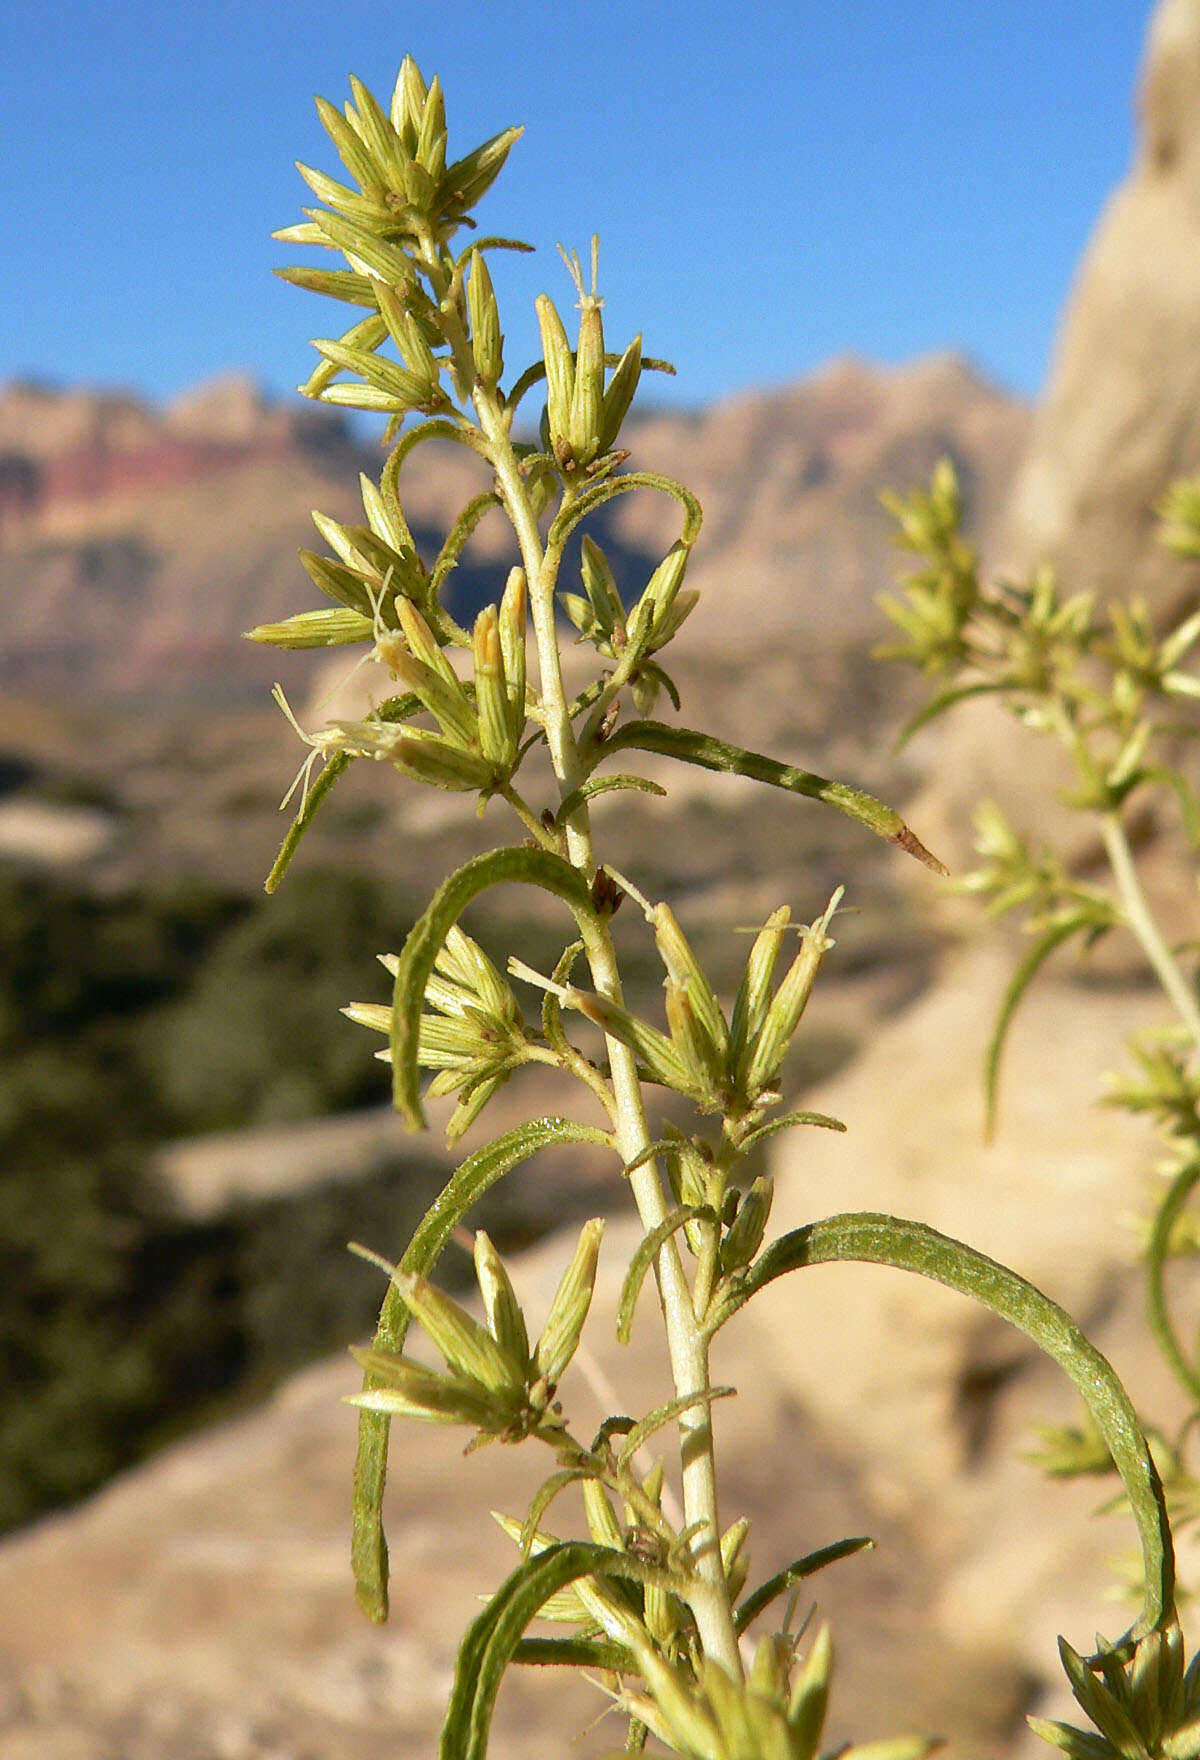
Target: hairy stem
[{"x": 687, "y": 1346}]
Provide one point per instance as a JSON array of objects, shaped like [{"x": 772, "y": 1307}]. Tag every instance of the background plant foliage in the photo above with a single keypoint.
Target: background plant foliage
[{"x": 654, "y": 1597}]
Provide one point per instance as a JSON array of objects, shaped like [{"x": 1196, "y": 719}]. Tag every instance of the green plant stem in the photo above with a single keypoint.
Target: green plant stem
[
  {"x": 686, "y": 1344},
  {"x": 1157, "y": 1251},
  {"x": 1141, "y": 921}
]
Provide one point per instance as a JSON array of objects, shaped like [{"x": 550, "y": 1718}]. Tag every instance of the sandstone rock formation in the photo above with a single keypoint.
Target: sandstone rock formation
[{"x": 1119, "y": 421}]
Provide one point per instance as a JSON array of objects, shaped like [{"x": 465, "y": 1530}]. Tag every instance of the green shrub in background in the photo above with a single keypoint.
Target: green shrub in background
[
  {"x": 654, "y": 1597},
  {"x": 121, "y": 1323}
]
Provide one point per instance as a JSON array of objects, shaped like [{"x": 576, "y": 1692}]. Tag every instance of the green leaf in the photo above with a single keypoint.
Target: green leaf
[
  {"x": 782, "y": 1581},
  {"x": 1157, "y": 1252},
  {"x": 532, "y": 867},
  {"x": 395, "y": 709},
  {"x": 457, "y": 537},
  {"x": 591, "y": 499},
  {"x": 789, "y": 1122},
  {"x": 542, "y": 1500},
  {"x": 1027, "y": 970},
  {"x": 466, "y": 1185},
  {"x": 911, "y": 1246},
  {"x": 603, "y": 785},
  {"x": 576, "y": 1653},
  {"x": 647, "y": 1252},
  {"x": 492, "y": 1638},
  {"x": 714, "y": 754},
  {"x": 645, "y": 1427}
]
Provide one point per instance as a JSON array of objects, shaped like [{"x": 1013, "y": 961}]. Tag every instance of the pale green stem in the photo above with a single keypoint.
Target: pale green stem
[
  {"x": 1141, "y": 921},
  {"x": 686, "y": 1344}
]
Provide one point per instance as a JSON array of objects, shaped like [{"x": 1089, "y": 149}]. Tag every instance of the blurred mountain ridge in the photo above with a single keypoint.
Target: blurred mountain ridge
[{"x": 137, "y": 541}]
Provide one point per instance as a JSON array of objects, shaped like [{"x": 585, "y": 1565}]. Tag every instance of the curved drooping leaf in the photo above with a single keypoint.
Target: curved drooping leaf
[
  {"x": 536, "y": 867},
  {"x": 543, "y": 1498},
  {"x": 1157, "y": 1251},
  {"x": 492, "y": 1638},
  {"x": 1189, "y": 807},
  {"x": 456, "y": 541},
  {"x": 715, "y": 754},
  {"x": 466, "y": 1185},
  {"x": 395, "y": 709},
  {"x": 911, "y": 1246},
  {"x": 665, "y": 1414},
  {"x": 591, "y": 499},
  {"x": 646, "y": 1253},
  {"x": 783, "y": 1580},
  {"x": 789, "y": 1121},
  {"x": 603, "y": 785},
  {"x": 1022, "y": 978}
]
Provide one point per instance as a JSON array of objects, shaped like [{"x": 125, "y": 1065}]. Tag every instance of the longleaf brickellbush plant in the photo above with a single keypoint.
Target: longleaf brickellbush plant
[
  {"x": 657, "y": 1604},
  {"x": 1121, "y": 699}
]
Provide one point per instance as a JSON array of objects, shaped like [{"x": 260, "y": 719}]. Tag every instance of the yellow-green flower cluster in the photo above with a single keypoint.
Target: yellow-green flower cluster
[
  {"x": 726, "y": 1066},
  {"x": 583, "y": 416},
  {"x": 473, "y": 1033},
  {"x": 373, "y": 566},
  {"x": 493, "y": 1381},
  {"x": 1146, "y": 1706},
  {"x": 391, "y": 229},
  {"x": 768, "y": 1716}
]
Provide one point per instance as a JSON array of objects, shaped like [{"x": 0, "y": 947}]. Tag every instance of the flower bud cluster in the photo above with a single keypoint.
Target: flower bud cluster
[
  {"x": 472, "y": 1034},
  {"x": 583, "y": 415},
  {"x": 776, "y": 1713},
  {"x": 393, "y": 231},
  {"x": 372, "y": 567},
  {"x": 1145, "y": 1705},
  {"x": 476, "y": 745},
  {"x": 728, "y": 1067},
  {"x": 600, "y": 617},
  {"x": 493, "y": 1381}
]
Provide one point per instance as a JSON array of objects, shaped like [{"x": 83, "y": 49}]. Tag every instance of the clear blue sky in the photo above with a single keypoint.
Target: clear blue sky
[{"x": 773, "y": 183}]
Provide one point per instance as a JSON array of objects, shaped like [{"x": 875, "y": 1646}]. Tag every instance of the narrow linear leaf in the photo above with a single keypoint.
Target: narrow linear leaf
[
  {"x": 715, "y": 754},
  {"x": 534, "y": 867},
  {"x": 457, "y": 537},
  {"x": 789, "y": 1122},
  {"x": 603, "y": 785},
  {"x": 1157, "y": 1252},
  {"x": 662, "y": 1415},
  {"x": 783, "y": 1580},
  {"x": 395, "y": 709},
  {"x": 911, "y": 1246},
  {"x": 1189, "y": 807},
  {"x": 1022, "y": 978},
  {"x": 543, "y": 1498},
  {"x": 591, "y": 499},
  {"x": 576, "y": 1653},
  {"x": 644, "y": 1256},
  {"x": 492, "y": 1638},
  {"x": 476, "y": 1175}
]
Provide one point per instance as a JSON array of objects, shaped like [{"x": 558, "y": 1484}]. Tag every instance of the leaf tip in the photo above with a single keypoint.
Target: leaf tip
[{"x": 911, "y": 844}]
